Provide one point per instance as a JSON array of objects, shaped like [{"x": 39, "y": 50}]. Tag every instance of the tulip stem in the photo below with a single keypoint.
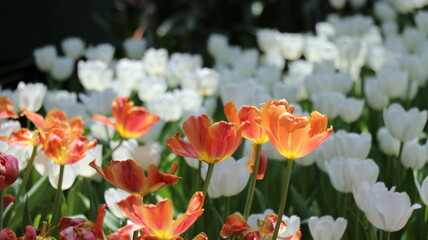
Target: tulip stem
[
  {"x": 208, "y": 178},
  {"x": 388, "y": 235},
  {"x": 1, "y": 209},
  {"x": 57, "y": 202},
  {"x": 284, "y": 193},
  {"x": 250, "y": 195}
]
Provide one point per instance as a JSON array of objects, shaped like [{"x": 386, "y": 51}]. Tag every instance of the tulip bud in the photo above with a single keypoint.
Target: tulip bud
[
  {"x": 337, "y": 4},
  {"x": 326, "y": 228},
  {"x": 134, "y": 48},
  {"x": 217, "y": 44},
  {"x": 392, "y": 80},
  {"x": 387, "y": 143},
  {"x": 383, "y": 11},
  {"x": 328, "y": 103},
  {"x": 102, "y": 52},
  {"x": 376, "y": 99},
  {"x": 73, "y": 47},
  {"x": 413, "y": 155},
  {"x": 45, "y": 57},
  {"x": 62, "y": 68},
  {"x": 9, "y": 170},
  {"x": 129, "y": 71},
  {"x": 351, "y": 109}
]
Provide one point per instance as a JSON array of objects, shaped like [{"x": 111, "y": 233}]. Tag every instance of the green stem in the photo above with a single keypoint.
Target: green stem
[
  {"x": 208, "y": 178},
  {"x": 226, "y": 207},
  {"x": 109, "y": 154},
  {"x": 388, "y": 235},
  {"x": 1, "y": 209},
  {"x": 284, "y": 193},
  {"x": 198, "y": 177},
  {"x": 23, "y": 185},
  {"x": 57, "y": 202},
  {"x": 426, "y": 213},
  {"x": 345, "y": 205},
  {"x": 257, "y": 148}
]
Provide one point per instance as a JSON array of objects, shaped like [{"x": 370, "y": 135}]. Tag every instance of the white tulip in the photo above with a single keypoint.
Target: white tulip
[
  {"x": 324, "y": 30},
  {"x": 376, "y": 99},
  {"x": 292, "y": 45},
  {"x": 45, "y": 57},
  {"x": 318, "y": 49},
  {"x": 329, "y": 103},
  {"x": 413, "y": 155},
  {"x": 52, "y": 99},
  {"x": 385, "y": 209},
  {"x": 337, "y": 4},
  {"x": 246, "y": 62},
  {"x": 326, "y": 228},
  {"x": 134, "y": 48},
  {"x": 351, "y": 109},
  {"x": 149, "y": 87},
  {"x": 288, "y": 91},
  {"x": 352, "y": 145},
  {"x": 155, "y": 61},
  {"x": 404, "y": 125},
  {"x": 325, "y": 152},
  {"x": 98, "y": 102},
  {"x": 269, "y": 41},
  {"x": 392, "y": 80},
  {"x": 94, "y": 75},
  {"x": 205, "y": 81},
  {"x": 112, "y": 196},
  {"x": 129, "y": 71},
  {"x": 153, "y": 134},
  {"x": 273, "y": 59},
  {"x": 73, "y": 47},
  {"x": 62, "y": 68},
  {"x": 423, "y": 190},
  {"x": 180, "y": 65},
  {"x": 268, "y": 75},
  {"x": 31, "y": 95},
  {"x": 421, "y": 20},
  {"x": 254, "y": 93},
  {"x": 384, "y": 12},
  {"x": 102, "y": 52},
  {"x": 166, "y": 106},
  {"x": 387, "y": 143},
  {"x": 82, "y": 167},
  {"x": 217, "y": 44}
]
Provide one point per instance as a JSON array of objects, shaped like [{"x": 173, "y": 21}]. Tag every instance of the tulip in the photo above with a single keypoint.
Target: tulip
[
  {"x": 423, "y": 190},
  {"x": 232, "y": 92},
  {"x": 293, "y": 136},
  {"x": 217, "y": 44},
  {"x": 98, "y": 102},
  {"x": 385, "y": 209},
  {"x": 337, "y": 4},
  {"x": 150, "y": 87},
  {"x": 180, "y": 66},
  {"x": 156, "y": 221},
  {"x": 387, "y": 143},
  {"x": 352, "y": 145},
  {"x": 112, "y": 196},
  {"x": 128, "y": 72},
  {"x": 94, "y": 75},
  {"x": 143, "y": 155},
  {"x": 62, "y": 68},
  {"x": 31, "y": 95},
  {"x": 54, "y": 97},
  {"x": 45, "y": 57},
  {"x": 102, "y": 52},
  {"x": 134, "y": 48},
  {"x": 63, "y": 148},
  {"x": 326, "y": 228},
  {"x": 130, "y": 176},
  {"x": 6, "y": 107},
  {"x": 9, "y": 170},
  {"x": 413, "y": 155},
  {"x": 155, "y": 61},
  {"x": 205, "y": 81},
  {"x": 329, "y": 103},
  {"x": 385, "y": 12},
  {"x": 351, "y": 109},
  {"x": 166, "y": 106},
  {"x": 73, "y": 47},
  {"x": 392, "y": 80},
  {"x": 376, "y": 99},
  {"x": 404, "y": 125}
]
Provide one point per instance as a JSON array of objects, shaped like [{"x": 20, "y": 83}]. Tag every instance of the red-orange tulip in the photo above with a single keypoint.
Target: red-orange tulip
[
  {"x": 129, "y": 176},
  {"x": 6, "y": 107},
  {"x": 56, "y": 119},
  {"x": 210, "y": 143},
  {"x": 249, "y": 114},
  {"x": 130, "y": 121},
  {"x": 293, "y": 136},
  {"x": 156, "y": 221},
  {"x": 23, "y": 136},
  {"x": 64, "y": 148}
]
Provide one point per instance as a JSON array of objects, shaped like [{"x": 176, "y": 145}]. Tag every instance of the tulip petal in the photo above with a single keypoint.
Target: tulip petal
[
  {"x": 181, "y": 147},
  {"x": 103, "y": 119}
]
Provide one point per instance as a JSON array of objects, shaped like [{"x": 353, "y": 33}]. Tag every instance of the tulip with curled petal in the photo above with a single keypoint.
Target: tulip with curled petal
[
  {"x": 423, "y": 190},
  {"x": 31, "y": 95},
  {"x": 73, "y": 47},
  {"x": 387, "y": 143},
  {"x": 385, "y": 209},
  {"x": 404, "y": 125},
  {"x": 134, "y": 48},
  {"x": 346, "y": 174},
  {"x": 326, "y": 228},
  {"x": 413, "y": 155},
  {"x": 45, "y": 57},
  {"x": 94, "y": 75}
]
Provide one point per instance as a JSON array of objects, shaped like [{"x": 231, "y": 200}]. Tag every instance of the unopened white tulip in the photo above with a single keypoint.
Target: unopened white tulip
[
  {"x": 352, "y": 145},
  {"x": 217, "y": 44},
  {"x": 413, "y": 155},
  {"x": 62, "y": 68},
  {"x": 392, "y": 80},
  {"x": 134, "y": 48},
  {"x": 166, "y": 106},
  {"x": 45, "y": 57},
  {"x": 180, "y": 65},
  {"x": 325, "y": 152},
  {"x": 351, "y": 109},
  {"x": 97, "y": 102},
  {"x": 384, "y": 11},
  {"x": 404, "y": 125},
  {"x": 326, "y": 228},
  {"x": 73, "y": 47},
  {"x": 376, "y": 99},
  {"x": 387, "y": 143},
  {"x": 268, "y": 75},
  {"x": 52, "y": 99},
  {"x": 337, "y": 4},
  {"x": 102, "y": 52},
  {"x": 329, "y": 103},
  {"x": 31, "y": 95},
  {"x": 421, "y": 20},
  {"x": 269, "y": 41}
]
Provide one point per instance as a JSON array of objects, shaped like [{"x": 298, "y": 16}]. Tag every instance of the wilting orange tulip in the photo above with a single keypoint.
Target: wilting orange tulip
[
  {"x": 293, "y": 136},
  {"x": 249, "y": 114},
  {"x": 6, "y": 107},
  {"x": 56, "y": 119},
  {"x": 210, "y": 143},
  {"x": 235, "y": 223},
  {"x": 129, "y": 176},
  {"x": 23, "y": 136},
  {"x": 130, "y": 121},
  {"x": 156, "y": 221},
  {"x": 64, "y": 148}
]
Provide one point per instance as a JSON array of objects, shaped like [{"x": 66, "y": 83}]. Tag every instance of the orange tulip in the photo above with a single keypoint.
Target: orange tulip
[
  {"x": 293, "y": 136},
  {"x": 6, "y": 107},
  {"x": 156, "y": 221},
  {"x": 64, "y": 148},
  {"x": 235, "y": 223},
  {"x": 249, "y": 114},
  {"x": 56, "y": 119},
  {"x": 23, "y": 136},
  {"x": 129, "y": 176},
  {"x": 210, "y": 143},
  {"x": 130, "y": 121}
]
